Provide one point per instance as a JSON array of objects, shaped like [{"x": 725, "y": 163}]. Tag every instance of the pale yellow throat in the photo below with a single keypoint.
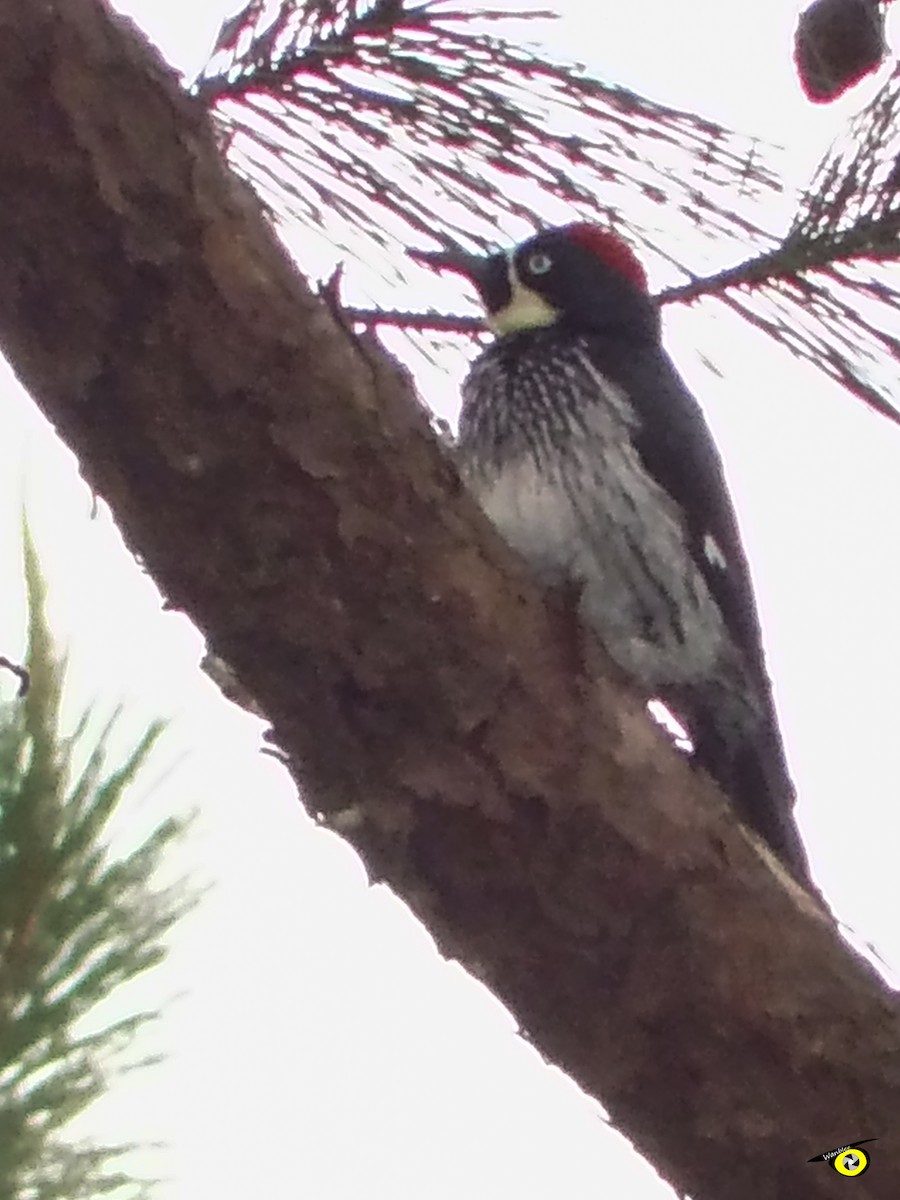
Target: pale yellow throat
[{"x": 526, "y": 310}]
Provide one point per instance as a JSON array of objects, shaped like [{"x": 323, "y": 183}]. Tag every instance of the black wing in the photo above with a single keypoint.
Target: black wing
[{"x": 677, "y": 448}]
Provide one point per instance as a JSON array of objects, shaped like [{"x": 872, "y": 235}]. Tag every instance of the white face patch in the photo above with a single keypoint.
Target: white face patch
[
  {"x": 713, "y": 552},
  {"x": 526, "y": 309}
]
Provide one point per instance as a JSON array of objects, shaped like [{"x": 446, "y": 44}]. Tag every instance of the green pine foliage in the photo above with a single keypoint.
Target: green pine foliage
[{"x": 75, "y": 923}]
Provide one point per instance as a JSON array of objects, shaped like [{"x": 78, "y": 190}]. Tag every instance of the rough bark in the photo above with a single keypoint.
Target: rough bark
[{"x": 281, "y": 484}]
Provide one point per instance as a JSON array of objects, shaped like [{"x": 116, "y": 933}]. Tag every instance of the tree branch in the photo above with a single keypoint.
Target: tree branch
[
  {"x": 283, "y": 487},
  {"x": 805, "y": 274}
]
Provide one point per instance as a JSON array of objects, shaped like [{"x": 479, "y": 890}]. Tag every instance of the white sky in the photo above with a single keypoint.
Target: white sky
[{"x": 318, "y": 1047}]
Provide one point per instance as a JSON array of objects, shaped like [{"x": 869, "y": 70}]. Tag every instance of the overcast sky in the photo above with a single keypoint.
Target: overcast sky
[{"x": 318, "y": 1046}]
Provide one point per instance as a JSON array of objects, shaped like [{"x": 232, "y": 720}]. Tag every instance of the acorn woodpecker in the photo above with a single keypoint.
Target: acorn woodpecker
[{"x": 585, "y": 448}]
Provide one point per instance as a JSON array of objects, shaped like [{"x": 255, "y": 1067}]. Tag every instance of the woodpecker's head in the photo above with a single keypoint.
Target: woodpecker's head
[{"x": 580, "y": 275}]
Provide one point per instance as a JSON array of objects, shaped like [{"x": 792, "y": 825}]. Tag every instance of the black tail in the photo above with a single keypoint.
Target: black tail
[{"x": 751, "y": 769}]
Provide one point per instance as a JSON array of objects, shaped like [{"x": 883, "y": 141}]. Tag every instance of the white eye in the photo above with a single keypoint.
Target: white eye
[{"x": 539, "y": 263}]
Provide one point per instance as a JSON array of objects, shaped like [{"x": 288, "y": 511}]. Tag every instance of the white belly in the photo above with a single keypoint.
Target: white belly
[{"x": 624, "y": 545}]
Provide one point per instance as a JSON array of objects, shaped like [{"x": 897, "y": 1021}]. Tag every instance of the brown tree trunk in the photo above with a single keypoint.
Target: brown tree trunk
[{"x": 279, "y": 480}]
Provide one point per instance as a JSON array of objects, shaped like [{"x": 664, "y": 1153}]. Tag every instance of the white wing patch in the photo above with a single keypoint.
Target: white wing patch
[{"x": 713, "y": 552}]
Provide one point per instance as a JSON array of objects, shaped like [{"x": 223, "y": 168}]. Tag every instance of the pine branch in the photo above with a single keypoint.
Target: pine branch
[
  {"x": 74, "y": 923},
  {"x": 386, "y": 124},
  {"x": 372, "y": 114},
  {"x": 820, "y": 320},
  {"x": 283, "y": 486},
  {"x": 847, "y": 235},
  {"x": 413, "y": 322}
]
